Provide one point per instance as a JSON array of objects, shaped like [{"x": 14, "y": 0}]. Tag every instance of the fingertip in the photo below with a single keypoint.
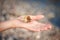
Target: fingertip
[
  {"x": 49, "y": 26},
  {"x": 40, "y": 16}
]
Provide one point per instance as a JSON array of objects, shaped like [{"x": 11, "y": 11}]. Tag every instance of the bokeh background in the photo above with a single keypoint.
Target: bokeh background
[{"x": 10, "y": 9}]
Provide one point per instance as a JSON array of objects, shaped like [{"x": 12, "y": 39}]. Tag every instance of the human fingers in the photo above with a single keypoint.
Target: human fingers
[
  {"x": 46, "y": 27},
  {"x": 37, "y": 17}
]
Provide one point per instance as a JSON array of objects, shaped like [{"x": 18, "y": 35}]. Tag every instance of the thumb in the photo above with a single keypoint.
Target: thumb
[{"x": 37, "y": 17}]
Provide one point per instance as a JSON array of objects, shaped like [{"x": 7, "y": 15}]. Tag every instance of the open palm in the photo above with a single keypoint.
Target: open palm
[{"x": 33, "y": 25}]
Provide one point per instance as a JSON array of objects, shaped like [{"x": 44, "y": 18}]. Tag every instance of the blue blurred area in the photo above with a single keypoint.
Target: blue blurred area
[
  {"x": 56, "y": 3},
  {"x": 56, "y": 20}
]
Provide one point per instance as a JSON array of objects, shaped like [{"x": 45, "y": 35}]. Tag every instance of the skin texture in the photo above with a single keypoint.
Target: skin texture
[{"x": 32, "y": 25}]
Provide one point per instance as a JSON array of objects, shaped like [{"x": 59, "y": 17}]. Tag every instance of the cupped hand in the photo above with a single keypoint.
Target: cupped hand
[{"x": 33, "y": 25}]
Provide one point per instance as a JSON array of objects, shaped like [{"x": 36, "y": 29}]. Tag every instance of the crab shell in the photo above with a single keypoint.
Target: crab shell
[{"x": 27, "y": 19}]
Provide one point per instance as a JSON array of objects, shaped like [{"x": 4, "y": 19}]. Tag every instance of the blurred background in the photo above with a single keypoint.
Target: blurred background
[{"x": 10, "y": 9}]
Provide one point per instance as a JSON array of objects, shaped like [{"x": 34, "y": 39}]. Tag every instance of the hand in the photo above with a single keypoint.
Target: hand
[{"x": 33, "y": 25}]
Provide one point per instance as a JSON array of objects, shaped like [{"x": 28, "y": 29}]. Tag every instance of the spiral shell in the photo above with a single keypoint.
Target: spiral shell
[{"x": 27, "y": 19}]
